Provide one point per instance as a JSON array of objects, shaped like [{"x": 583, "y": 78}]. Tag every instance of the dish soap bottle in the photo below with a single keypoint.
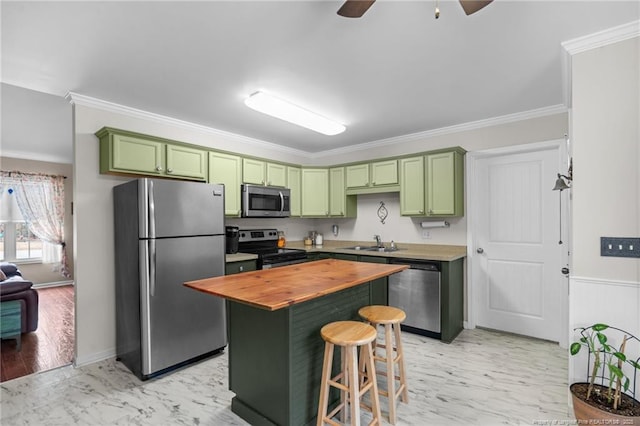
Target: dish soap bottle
[{"x": 281, "y": 239}]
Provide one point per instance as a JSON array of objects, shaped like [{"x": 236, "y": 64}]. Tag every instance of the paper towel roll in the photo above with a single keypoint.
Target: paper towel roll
[{"x": 435, "y": 224}]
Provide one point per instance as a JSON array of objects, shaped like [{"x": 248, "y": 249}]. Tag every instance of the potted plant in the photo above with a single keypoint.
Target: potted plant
[{"x": 609, "y": 395}]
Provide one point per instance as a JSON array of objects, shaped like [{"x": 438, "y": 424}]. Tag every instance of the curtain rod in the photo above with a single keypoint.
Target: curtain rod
[{"x": 32, "y": 174}]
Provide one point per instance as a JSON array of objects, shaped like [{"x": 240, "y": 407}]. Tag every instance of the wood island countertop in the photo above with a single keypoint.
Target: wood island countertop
[{"x": 277, "y": 288}]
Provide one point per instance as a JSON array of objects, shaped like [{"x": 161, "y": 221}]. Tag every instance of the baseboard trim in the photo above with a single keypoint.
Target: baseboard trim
[
  {"x": 53, "y": 284},
  {"x": 80, "y": 361}
]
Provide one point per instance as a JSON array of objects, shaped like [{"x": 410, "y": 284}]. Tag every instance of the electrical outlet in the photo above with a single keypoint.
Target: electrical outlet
[
  {"x": 426, "y": 234},
  {"x": 619, "y": 247}
]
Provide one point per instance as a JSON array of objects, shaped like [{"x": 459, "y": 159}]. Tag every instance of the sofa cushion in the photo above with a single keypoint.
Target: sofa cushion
[
  {"x": 9, "y": 269},
  {"x": 14, "y": 285}
]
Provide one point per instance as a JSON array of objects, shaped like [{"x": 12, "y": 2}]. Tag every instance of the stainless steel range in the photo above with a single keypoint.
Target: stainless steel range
[{"x": 264, "y": 243}]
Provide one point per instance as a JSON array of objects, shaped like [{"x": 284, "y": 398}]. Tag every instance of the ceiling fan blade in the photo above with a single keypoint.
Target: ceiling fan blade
[
  {"x": 355, "y": 8},
  {"x": 472, "y": 6}
]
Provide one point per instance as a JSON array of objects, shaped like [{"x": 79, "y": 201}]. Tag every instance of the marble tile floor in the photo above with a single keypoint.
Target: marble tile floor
[{"x": 482, "y": 378}]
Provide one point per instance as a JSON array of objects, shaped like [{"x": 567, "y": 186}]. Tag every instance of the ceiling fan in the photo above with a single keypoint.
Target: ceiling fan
[{"x": 357, "y": 8}]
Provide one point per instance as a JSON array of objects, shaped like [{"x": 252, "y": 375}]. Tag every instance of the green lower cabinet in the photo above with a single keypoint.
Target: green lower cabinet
[
  {"x": 379, "y": 287},
  {"x": 318, "y": 256},
  {"x": 238, "y": 267},
  {"x": 275, "y": 357},
  {"x": 451, "y": 299}
]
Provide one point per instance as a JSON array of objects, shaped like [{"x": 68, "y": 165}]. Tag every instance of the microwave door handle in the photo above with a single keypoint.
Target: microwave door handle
[{"x": 281, "y": 201}]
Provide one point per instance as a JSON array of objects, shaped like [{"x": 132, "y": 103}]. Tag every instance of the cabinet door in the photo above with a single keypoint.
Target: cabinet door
[
  {"x": 315, "y": 192},
  {"x": 253, "y": 171},
  {"x": 227, "y": 170},
  {"x": 238, "y": 267},
  {"x": 186, "y": 162},
  {"x": 131, "y": 154},
  {"x": 379, "y": 286},
  {"x": 293, "y": 183},
  {"x": 337, "y": 196},
  {"x": 384, "y": 173},
  {"x": 357, "y": 176},
  {"x": 445, "y": 184},
  {"x": 276, "y": 175},
  {"x": 412, "y": 186}
]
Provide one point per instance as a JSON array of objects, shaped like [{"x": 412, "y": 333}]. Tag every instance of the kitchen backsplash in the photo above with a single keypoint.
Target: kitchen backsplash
[{"x": 398, "y": 228}]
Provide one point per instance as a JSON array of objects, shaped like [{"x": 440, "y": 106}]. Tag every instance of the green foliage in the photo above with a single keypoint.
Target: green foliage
[{"x": 603, "y": 353}]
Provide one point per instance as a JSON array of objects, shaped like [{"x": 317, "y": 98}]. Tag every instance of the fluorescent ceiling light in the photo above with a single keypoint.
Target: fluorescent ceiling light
[{"x": 279, "y": 108}]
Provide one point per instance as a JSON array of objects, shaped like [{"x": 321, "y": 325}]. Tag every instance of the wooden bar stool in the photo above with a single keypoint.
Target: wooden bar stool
[
  {"x": 390, "y": 318},
  {"x": 349, "y": 335}
]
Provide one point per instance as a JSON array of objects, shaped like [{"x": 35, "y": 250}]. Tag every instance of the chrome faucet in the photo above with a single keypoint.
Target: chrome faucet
[{"x": 378, "y": 240}]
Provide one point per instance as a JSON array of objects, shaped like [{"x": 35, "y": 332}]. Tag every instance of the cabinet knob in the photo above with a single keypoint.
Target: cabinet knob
[
  {"x": 421, "y": 211},
  {"x": 242, "y": 269},
  {"x": 268, "y": 183},
  {"x": 430, "y": 211},
  {"x": 158, "y": 168},
  {"x": 480, "y": 250},
  {"x": 169, "y": 170},
  {"x": 263, "y": 182}
]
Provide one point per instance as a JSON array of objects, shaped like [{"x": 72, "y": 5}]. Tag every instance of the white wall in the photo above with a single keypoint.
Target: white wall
[
  {"x": 93, "y": 219},
  {"x": 606, "y": 187}
]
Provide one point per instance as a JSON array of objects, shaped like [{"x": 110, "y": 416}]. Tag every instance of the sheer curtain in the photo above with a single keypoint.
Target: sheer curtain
[{"x": 40, "y": 199}]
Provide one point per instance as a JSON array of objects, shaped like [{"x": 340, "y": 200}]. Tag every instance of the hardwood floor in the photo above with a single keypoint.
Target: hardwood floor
[{"x": 51, "y": 345}]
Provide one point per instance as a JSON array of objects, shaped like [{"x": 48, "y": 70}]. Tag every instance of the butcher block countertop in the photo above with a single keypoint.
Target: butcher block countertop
[{"x": 277, "y": 288}]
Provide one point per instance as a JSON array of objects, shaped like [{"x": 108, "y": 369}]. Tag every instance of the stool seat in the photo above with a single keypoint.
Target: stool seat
[
  {"x": 348, "y": 333},
  {"x": 379, "y": 314}
]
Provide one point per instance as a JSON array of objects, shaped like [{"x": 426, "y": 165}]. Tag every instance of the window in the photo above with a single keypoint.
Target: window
[{"x": 17, "y": 242}]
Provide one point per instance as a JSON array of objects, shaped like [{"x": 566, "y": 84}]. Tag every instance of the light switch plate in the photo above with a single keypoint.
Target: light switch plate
[{"x": 620, "y": 247}]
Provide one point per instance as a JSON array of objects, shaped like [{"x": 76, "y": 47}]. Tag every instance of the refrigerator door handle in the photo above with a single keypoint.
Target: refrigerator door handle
[
  {"x": 145, "y": 308},
  {"x": 152, "y": 268},
  {"x": 152, "y": 211}
]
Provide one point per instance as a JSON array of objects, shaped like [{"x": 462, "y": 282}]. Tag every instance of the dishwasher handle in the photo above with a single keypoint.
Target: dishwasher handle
[{"x": 417, "y": 264}]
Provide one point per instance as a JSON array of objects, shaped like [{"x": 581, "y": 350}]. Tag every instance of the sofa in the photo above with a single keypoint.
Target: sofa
[{"x": 14, "y": 287}]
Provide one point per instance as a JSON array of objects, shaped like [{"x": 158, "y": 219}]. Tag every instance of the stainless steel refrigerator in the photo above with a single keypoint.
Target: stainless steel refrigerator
[{"x": 167, "y": 232}]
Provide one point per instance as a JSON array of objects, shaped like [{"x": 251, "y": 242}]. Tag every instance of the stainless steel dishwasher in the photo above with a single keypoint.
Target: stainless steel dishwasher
[{"x": 417, "y": 292}]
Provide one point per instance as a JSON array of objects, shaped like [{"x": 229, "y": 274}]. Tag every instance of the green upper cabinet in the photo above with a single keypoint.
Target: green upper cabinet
[
  {"x": 315, "y": 192},
  {"x": 186, "y": 162},
  {"x": 132, "y": 153},
  {"x": 340, "y": 204},
  {"x": 433, "y": 184},
  {"x": 412, "y": 186},
  {"x": 357, "y": 176},
  {"x": 295, "y": 186},
  {"x": 260, "y": 172},
  {"x": 227, "y": 170},
  {"x": 370, "y": 178},
  {"x": 445, "y": 183},
  {"x": 384, "y": 173}
]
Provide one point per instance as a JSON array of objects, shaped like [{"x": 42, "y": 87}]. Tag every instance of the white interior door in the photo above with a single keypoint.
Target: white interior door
[{"x": 516, "y": 281}]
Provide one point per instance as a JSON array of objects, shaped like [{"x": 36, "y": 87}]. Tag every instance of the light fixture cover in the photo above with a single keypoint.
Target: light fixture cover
[{"x": 279, "y": 108}]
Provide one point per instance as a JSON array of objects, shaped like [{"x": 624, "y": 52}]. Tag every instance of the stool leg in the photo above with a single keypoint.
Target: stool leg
[
  {"x": 354, "y": 386},
  {"x": 371, "y": 374},
  {"x": 400, "y": 352},
  {"x": 361, "y": 360},
  {"x": 324, "y": 384},
  {"x": 345, "y": 381},
  {"x": 391, "y": 375}
]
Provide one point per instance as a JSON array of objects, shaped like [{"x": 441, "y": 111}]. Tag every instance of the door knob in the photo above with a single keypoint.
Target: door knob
[
  {"x": 480, "y": 250},
  {"x": 565, "y": 271}
]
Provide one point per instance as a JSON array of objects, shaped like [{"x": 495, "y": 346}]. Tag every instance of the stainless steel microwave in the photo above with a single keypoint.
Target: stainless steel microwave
[{"x": 265, "y": 201}]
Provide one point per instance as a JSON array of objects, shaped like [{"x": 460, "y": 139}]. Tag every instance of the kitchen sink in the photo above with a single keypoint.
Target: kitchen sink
[
  {"x": 373, "y": 248},
  {"x": 363, "y": 248}
]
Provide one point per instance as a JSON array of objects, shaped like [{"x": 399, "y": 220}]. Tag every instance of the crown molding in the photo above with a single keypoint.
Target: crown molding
[
  {"x": 602, "y": 38},
  {"x": 78, "y": 99},
  {"x": 588, "y": 42},
  {"x": 472, "y": 125},
  {"x": 36, "y": 156}
]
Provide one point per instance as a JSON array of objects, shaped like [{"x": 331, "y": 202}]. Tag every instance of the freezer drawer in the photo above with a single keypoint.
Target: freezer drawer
[{"x": 417, "y": 292}]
